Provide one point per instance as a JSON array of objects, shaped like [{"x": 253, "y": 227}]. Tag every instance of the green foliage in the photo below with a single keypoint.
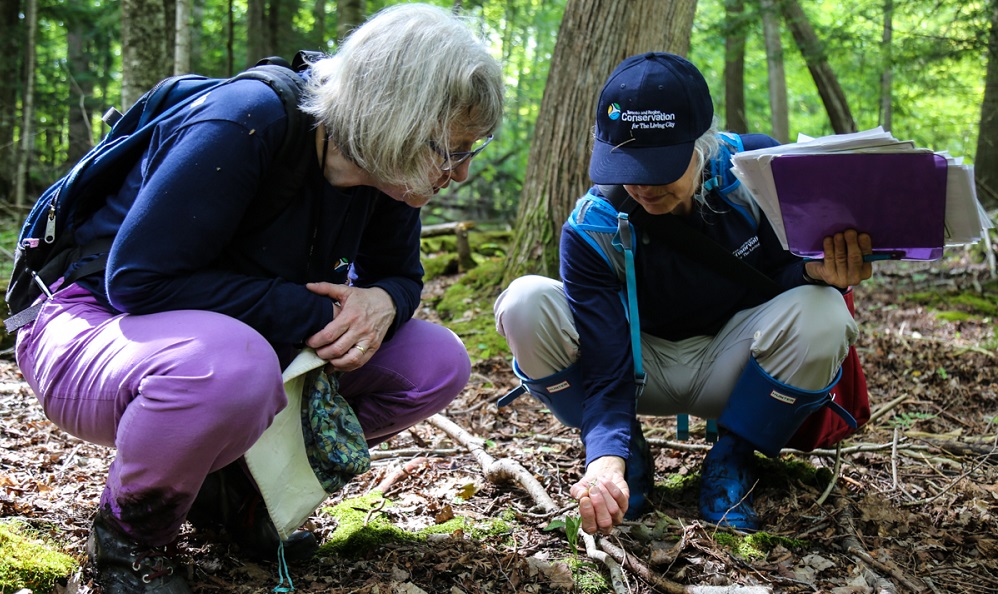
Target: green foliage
[
  {"x": 27, "y": 561},
  {"x": 571, "y": 524},
  {"x": 937, "y": 62},
  {"x": 938, "y": 58}
]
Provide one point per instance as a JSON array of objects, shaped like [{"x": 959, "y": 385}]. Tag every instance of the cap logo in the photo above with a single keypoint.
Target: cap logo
[
  {"x": 613, "y": 112},
  {"x": 649, "y": 119}
]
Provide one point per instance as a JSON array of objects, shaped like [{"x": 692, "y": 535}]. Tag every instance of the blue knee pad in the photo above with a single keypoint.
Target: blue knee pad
[
  {"x": 766, "y": 412},
  {"x": 561, "y": 392}
]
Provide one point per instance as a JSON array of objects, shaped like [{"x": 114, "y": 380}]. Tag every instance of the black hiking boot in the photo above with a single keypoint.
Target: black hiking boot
[
  {"x": 125, "y": 567},
  {"x": 228, "y": 499}
]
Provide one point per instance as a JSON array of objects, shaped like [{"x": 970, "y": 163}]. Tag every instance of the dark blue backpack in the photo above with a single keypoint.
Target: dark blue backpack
[{"x": 45, "y": 245}]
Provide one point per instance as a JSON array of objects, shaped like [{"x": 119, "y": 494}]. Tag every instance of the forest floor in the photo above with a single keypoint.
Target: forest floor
[{"x": 914, "y": 509}]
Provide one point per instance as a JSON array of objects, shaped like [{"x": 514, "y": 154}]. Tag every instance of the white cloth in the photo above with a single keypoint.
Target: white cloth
[{"x": 278, "y": 462}]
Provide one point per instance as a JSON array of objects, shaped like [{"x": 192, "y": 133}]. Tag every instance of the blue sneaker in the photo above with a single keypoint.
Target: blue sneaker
[
  {"x": 640, "y": 474},
  {"x": 726, "y": 480}
]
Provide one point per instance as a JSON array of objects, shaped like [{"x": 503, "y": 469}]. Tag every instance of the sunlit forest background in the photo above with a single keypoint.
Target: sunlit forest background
[{"x": 66, "y": 65}]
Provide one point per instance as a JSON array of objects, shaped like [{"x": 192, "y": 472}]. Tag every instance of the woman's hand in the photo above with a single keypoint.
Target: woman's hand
[
  {"x": 602, "y": 494},
  {"x": 360, "y": 322},
  {"x": 843, "y": 265}
]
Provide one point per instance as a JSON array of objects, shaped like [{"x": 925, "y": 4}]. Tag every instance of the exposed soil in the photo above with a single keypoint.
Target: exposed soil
[{"x": 916, "y": 513}]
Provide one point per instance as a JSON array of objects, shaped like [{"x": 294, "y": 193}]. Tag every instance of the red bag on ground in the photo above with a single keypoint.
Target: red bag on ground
[{"x": 826, "y": 428}]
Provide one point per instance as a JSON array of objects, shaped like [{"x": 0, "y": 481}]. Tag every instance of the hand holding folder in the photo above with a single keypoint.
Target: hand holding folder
[{"x": 912, "y": 202}]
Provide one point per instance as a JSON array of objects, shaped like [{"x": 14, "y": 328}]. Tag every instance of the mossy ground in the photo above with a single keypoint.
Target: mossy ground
[
  {"x": 28, "y": 561},
  {"x": 364, "y": 525}
]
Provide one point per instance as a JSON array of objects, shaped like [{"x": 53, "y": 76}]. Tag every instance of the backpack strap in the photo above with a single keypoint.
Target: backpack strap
[
  {"x": 696, "y": 246},
  {"x": 626, "y": 238}
]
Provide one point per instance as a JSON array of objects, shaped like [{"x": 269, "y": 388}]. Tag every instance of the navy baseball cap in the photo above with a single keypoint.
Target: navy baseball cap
[{"x": 651, "y": 110}]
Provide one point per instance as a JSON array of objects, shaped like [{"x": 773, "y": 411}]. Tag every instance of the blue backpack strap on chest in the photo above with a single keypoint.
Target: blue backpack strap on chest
[{"x": 626, "y": 240}]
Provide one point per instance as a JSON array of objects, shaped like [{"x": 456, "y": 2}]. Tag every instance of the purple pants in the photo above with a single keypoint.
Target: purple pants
[{"x": 184, "y": 393}]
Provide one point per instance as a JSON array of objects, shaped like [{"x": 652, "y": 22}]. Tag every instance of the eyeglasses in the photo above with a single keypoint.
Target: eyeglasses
[{"x": 452, "y": 161}]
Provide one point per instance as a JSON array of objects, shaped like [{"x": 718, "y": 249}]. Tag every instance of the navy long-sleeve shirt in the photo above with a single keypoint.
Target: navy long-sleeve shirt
[
  {"x": 678, "y": 298},
  {"x": 189, "y": 234}
]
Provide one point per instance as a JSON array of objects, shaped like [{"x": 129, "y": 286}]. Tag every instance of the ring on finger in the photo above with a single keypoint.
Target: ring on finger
[{"x": 362, "y": 350}]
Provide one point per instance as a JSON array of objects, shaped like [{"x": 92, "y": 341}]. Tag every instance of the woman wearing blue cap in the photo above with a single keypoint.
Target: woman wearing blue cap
[{"x": 709, "y": 345}]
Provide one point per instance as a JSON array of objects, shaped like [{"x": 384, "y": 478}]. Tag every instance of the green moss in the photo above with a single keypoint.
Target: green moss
[
  {"x": 972, "y": 305},
  {"x": 490, "y": 529},
  {"x": 27, "y": 561},
  {"x": 756, "y": 546},
  {"x": 955, "y": 316},
  {"x": 677, "y": 485},
  {"x": 360, "y": 531},
  {"x": 782, "y": 473},
  {"x": 466, "y": 308},
  {"x": 587, "y": 576}
]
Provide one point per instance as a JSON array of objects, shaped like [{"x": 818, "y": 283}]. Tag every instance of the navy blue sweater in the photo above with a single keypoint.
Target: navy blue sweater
[
  {"x": 187, "y": 237},
  {"x": 677, "y": 298}
]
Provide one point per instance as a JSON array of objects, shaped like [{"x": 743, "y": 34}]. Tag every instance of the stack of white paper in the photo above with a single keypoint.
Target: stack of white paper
[{"x": 891, "y": 198}]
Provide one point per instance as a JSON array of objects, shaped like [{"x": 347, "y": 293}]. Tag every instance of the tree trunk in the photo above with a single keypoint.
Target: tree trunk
[
  {"x": 778, "y": 116},
  {"x": 28, "y": 103},
  {"x": 12, "y": 45},
  {"x": 824, "y": 78},
  {"x": 886, "y": 76},
  {"x": 182, "y": 47},
  {"x": 256, "y": 32},
  {"x": 349, "y": 15},
  {"x": 986, "y": 159},
  {"x": 145, "y": 59},
  {"x": 197, "y": 36},
  {"x": 319, "y": 28},
  {"x": 595, "y": 35},
  {"x": 734, "y": 66},
  {"x": 81, "y": 89},
  {"x": 230, "y": 39}
]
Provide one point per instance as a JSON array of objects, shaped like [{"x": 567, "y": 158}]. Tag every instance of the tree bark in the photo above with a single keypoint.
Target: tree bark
[
  {"x": 986, "y": 159},
  {"x": 778, "y": 116},
  {"x": 319, "y": 28},
  {"x": 824, "y": 77},
  {"x": 144, "y": 56},
  {"x": 256, "y": 32},
  {"x": 886, "y": 75},
  {"x": 182, "y": 36},
  {"x": 81, "y": 89},
  {"x": 12, "y": 46},
  {"x": 28, "y": 103},
  {"x": 734, "y": 66},
  {"x": 349, "y": 15},
  {"x": 595, "y": 35}
]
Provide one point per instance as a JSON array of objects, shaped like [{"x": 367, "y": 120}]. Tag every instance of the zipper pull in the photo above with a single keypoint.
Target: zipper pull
[{"x": 50, "y": 225}]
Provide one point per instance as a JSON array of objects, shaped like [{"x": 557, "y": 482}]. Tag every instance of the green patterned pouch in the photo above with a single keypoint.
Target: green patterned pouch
[{"x": 334, "y": 439}]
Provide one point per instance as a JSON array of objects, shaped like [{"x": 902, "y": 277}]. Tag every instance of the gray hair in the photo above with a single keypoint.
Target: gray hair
[
  {"x": 411, "y": 75},
  {"x": 708, "y": 145},
  {"x": 706, "y": 148}
]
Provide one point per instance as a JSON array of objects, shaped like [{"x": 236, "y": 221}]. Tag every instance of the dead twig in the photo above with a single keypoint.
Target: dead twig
[{"x": 852, "y": 546}]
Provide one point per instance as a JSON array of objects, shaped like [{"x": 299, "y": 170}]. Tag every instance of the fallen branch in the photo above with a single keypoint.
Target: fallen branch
[
  {"x": 379, "y": 454},
  {"x": 400, "y": 473},
  {"x": 496, "y": 471}
]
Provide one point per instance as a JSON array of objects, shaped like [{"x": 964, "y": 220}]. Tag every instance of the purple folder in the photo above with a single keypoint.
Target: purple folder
[{"x": 898, "y": 198}]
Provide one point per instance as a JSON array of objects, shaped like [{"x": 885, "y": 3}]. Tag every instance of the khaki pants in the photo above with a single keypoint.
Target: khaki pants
[{"x": 799, "y": 337}]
